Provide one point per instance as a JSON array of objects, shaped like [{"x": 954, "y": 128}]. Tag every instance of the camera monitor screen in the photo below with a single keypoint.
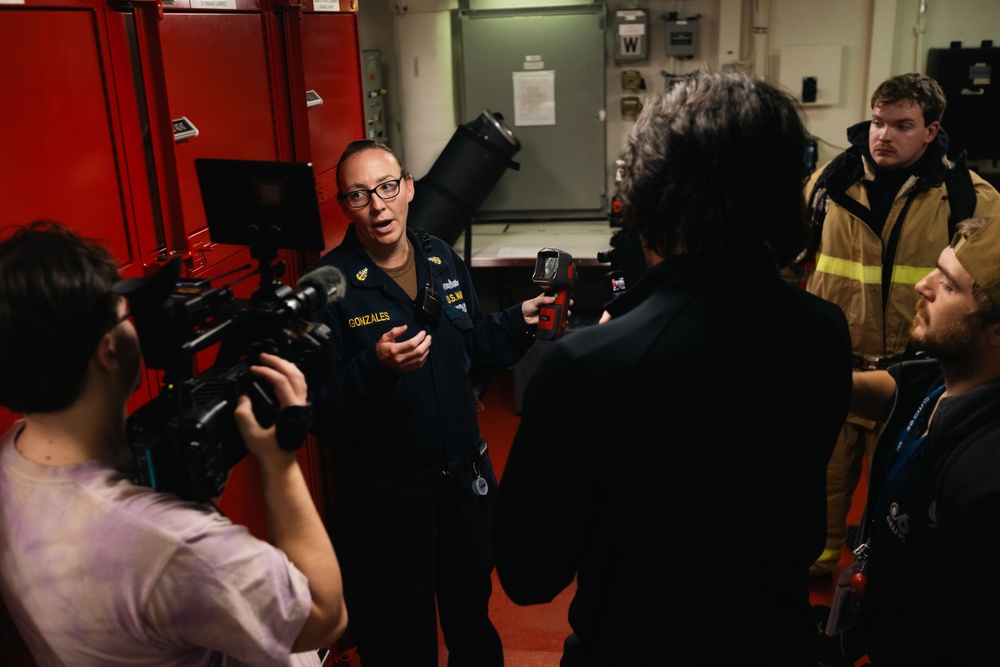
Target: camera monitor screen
[{"x": 255, "y": 203}]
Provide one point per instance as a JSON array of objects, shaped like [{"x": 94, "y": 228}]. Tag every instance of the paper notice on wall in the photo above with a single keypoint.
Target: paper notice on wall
[
  {"x": 535, "y": 98},
  {"x": 326, "y": 5}
]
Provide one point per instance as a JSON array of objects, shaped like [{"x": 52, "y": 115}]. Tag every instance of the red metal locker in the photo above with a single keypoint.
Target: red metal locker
[
  {"x": 62, "y": 157},
  {"x": 216, "y": 75},
  {"x": 332, "y": 65}
]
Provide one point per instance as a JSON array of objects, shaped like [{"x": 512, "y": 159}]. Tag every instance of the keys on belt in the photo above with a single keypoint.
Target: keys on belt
[{"x": 479, "y": 485}]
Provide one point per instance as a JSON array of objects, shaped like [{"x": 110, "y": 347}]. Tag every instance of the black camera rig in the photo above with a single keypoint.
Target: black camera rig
[{"x": 185, "y": 440}]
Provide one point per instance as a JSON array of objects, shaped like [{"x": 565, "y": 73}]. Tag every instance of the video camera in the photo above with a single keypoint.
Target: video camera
[
  {"x": 185, "y": 440},
  {"x": 555, "y": 273},
  {"x": 627, "y": 262}
]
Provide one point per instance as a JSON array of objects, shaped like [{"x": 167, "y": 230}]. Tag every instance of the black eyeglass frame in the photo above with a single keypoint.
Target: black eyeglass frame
[
  {"x": 122, "y": 318},
  {"x": 373, "y": 191}
]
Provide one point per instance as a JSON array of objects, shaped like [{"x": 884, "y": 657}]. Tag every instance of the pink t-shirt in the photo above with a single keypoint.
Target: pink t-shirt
[{"x": 96, "y": 570}]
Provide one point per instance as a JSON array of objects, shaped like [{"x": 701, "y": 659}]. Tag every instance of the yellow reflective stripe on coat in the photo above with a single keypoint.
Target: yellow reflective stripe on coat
[
  {"x": 910, "y": 275},
  {"x": 869, "y": 275}
]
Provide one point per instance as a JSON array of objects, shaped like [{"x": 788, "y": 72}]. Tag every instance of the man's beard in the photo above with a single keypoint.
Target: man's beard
[{"x": 952, "y": 342}]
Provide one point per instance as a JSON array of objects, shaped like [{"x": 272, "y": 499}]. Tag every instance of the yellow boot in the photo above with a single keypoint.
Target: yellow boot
[{"x": 825, "y": 564}]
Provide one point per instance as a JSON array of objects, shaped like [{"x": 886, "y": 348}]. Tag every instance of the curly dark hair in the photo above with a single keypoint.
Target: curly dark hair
[
  {"x": 918, "y": 88},
  {"x": 714, "y": 164},
  {"x": 56, "y": 302}
]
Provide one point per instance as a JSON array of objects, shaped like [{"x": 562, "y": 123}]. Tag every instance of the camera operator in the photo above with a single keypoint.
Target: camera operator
[{"x": 98, "y": 570}]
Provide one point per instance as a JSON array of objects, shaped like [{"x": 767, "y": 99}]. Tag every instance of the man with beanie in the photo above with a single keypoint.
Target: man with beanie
[{"x": 924, "y": 583}]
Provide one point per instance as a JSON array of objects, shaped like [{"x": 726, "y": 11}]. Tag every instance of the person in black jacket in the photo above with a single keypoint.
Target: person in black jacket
[
  {"x": 669, "y": 459},
  {"x": 414, "y": 487},
  {"x": 923, "y": 586}
]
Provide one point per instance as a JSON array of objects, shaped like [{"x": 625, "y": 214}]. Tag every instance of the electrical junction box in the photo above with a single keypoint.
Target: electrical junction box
[
  {"x": 811, "y": 74},
  {"x": 631, "y": 106},
  {"x": 631, "y": 79},
  {"x": 371, "y": 82},
  {"x": 631, "y": 34},
  {"x": 682, "y": 37}
]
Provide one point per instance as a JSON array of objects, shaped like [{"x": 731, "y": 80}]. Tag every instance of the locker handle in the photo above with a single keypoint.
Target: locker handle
[
  {"x": 969, "y": 91},
  {"x": 184, "y": 129},
  {"x": 313, "y": 98}
]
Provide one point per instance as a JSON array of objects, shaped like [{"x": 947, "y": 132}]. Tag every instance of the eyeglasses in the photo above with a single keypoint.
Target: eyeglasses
[
  {"x": 128, "y": 314},
  {"x": 360, "y": 198}
]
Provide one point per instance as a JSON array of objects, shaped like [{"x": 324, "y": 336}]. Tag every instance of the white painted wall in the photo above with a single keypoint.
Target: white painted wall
[
  {"x": 423, "y": 53},
  {"x": 879, "y": 38}
]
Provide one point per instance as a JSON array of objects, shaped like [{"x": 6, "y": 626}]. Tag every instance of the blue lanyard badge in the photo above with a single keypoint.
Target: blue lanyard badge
[
  {"x": 908, "y": 443},
  {"x": 852, "y": 586},
  {"x": 913, "y": 435}
]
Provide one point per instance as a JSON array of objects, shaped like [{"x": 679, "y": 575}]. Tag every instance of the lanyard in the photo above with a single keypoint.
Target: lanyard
[
  {"x": 908, "y": 443},
  {"x": 904, "y": 438}
]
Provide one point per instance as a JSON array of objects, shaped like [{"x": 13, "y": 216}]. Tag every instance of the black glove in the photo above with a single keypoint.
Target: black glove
[{"x": 292, "y": 424}]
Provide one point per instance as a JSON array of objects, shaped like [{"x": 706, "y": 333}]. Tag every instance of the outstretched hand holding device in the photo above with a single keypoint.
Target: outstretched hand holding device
[{"x": 555, "y": 273}]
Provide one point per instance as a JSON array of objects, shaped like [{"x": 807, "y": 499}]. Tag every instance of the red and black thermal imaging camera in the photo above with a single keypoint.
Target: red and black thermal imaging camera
[{"x": 555, "y": 273}]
